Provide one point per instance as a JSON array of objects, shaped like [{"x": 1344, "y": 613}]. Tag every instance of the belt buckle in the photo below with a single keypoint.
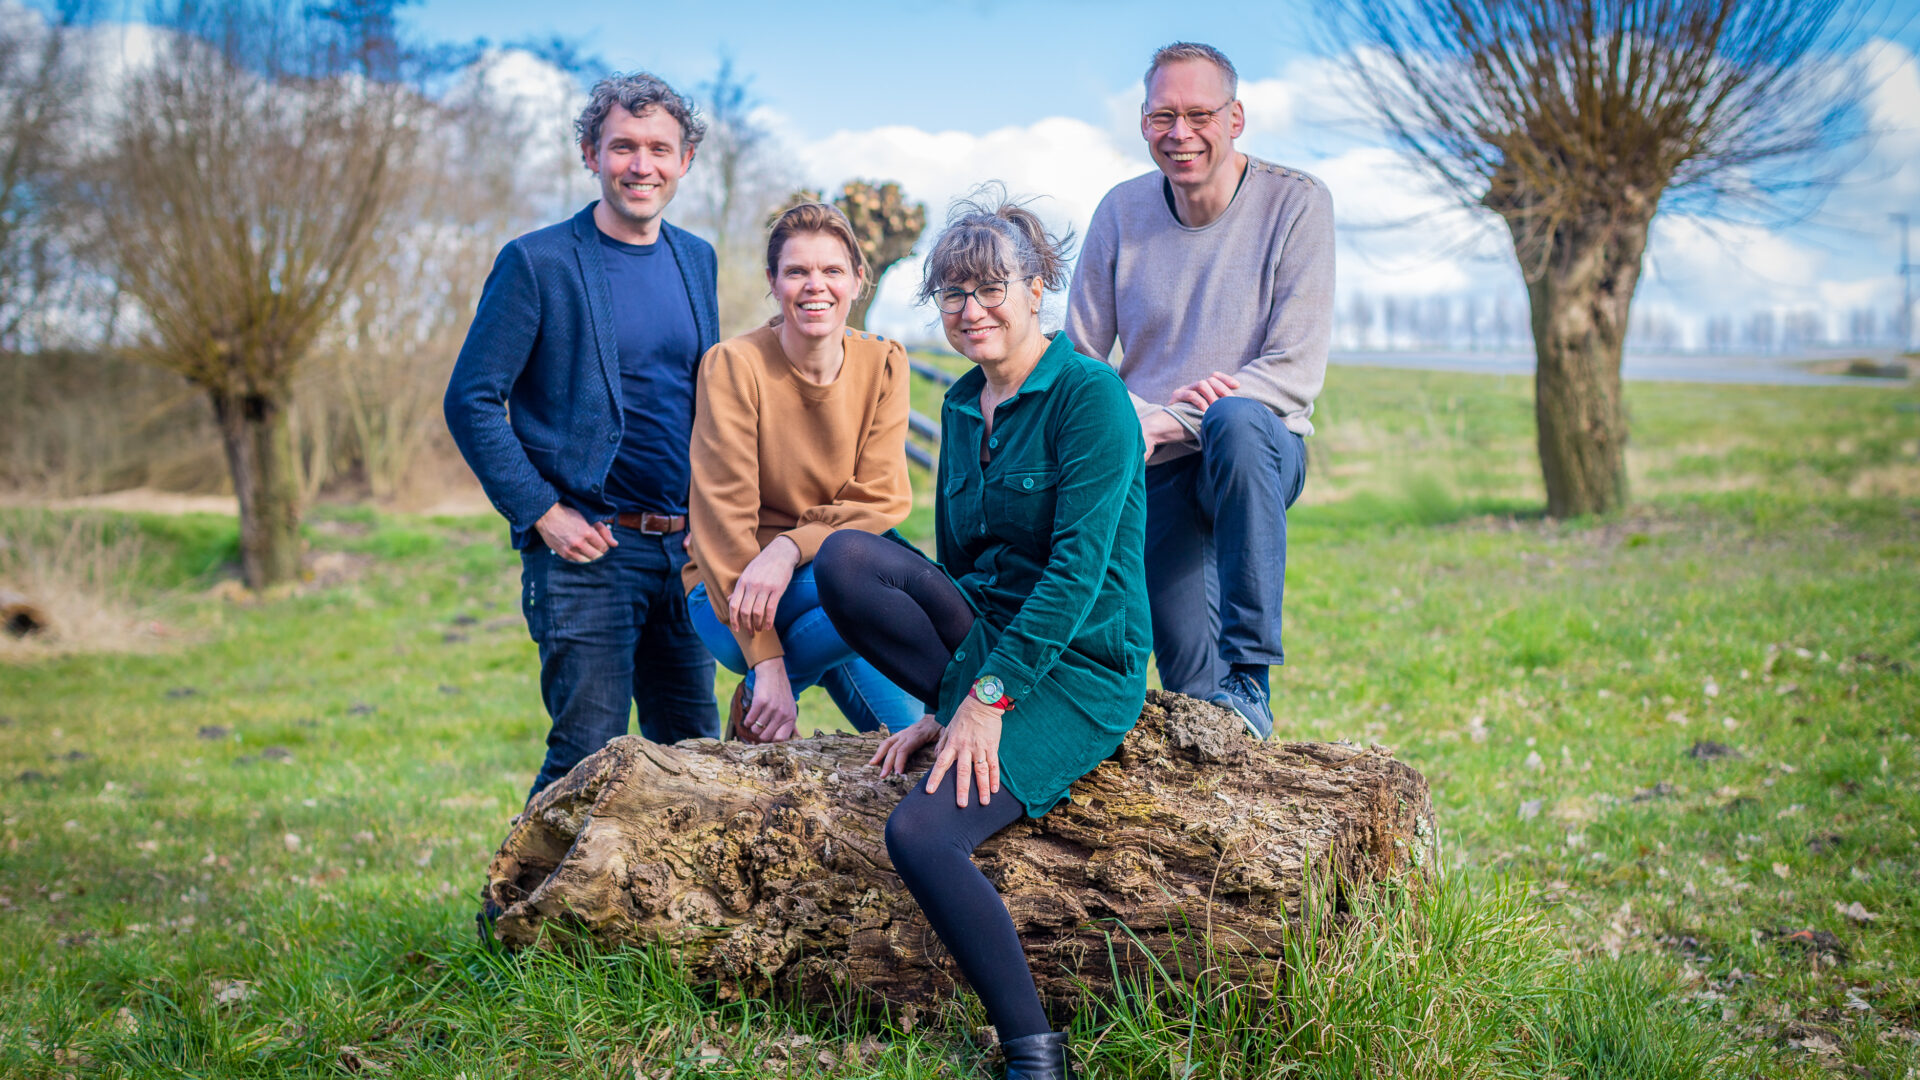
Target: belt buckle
[{"x": 648, "y": 524}]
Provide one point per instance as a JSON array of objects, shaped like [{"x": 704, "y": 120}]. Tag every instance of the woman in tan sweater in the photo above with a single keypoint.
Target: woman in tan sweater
[{"x": 799, "y": 429}]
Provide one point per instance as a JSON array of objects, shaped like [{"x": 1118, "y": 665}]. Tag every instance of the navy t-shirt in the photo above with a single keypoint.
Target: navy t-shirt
[{"x": 659, "y": 352}]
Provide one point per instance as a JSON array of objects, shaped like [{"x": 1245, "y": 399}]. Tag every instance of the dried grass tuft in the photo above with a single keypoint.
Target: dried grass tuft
[{"x": 69, "y": 583}]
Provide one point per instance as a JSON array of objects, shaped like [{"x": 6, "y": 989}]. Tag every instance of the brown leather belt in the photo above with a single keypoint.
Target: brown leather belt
[{"x": 652, "y": 524}]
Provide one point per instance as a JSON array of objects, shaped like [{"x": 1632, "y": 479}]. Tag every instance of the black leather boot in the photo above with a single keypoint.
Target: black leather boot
[{"x": 1038, "y": 1057}]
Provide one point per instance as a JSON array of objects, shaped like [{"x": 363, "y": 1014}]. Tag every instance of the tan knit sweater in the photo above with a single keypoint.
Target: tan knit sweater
[{"x": 775, "y": 455}]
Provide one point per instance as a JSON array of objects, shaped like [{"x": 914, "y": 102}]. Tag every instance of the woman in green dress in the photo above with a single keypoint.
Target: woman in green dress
[{"x": 1031, "y": 633}]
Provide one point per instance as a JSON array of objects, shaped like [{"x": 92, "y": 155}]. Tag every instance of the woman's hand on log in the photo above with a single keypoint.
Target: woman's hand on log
[
  {"x": 756, "y": 596},
  {"x": 972, "y": 747},
  {"x": 898, "y": 747},
  {"x": 773, "y": 716}
]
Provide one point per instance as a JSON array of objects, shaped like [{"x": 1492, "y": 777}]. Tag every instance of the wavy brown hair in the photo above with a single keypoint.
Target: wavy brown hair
[{"x": 636, "y": 92}]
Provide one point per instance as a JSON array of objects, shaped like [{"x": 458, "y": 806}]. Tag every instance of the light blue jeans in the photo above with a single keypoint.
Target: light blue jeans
[{"x": 815, "y": 655}]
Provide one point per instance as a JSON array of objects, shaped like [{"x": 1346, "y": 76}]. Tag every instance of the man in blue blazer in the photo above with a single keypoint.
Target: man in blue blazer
[{"x": 572, "y": 401}]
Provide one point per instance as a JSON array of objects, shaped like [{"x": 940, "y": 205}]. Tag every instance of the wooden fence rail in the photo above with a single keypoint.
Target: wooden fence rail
[{"x": 922, "y": 427}]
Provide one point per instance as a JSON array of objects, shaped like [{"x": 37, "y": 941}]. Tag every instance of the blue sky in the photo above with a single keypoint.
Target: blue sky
[{"x": 971, "y": 65}]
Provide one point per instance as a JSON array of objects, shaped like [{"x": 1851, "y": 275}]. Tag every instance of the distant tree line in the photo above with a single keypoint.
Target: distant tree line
[{"x": 1478, "y": 322}]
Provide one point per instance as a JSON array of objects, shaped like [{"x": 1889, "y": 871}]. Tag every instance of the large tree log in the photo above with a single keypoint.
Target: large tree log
[{"x": 766, "y": 865}]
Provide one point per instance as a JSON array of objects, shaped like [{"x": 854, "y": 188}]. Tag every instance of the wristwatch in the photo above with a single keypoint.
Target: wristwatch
[{"x": 989, "y": 690}]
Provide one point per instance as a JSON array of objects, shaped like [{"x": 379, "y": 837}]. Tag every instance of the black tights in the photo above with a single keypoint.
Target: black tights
[
  {"x": 897, "y": 610},
  {"x": 902, "y": 614}
]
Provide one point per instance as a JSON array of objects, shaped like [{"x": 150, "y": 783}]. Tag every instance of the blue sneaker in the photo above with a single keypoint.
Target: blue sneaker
[{"x": 1247, "y": 699}]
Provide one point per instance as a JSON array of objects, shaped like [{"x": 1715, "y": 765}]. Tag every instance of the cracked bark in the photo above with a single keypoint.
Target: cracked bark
[{"x": 766, "y": 868}]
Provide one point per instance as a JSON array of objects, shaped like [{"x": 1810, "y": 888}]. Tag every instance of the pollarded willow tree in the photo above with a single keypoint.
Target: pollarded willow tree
[
  {"x": 236, "y": 193},
  {"x": 1576, "y": 122}
]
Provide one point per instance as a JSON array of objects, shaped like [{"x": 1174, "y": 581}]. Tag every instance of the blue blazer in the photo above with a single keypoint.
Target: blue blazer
[{"x": 534, "y": 402}]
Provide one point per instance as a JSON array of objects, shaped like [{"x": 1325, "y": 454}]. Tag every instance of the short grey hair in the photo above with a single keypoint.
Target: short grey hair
[
  {"x": 636, "y": 92},
  {"x": 990, "y": 237},
  {"x": 1193, "y": 50}
]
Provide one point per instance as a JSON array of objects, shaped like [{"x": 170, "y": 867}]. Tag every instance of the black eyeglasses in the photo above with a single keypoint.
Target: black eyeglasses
[
  {"x": 953, "y": 300},
  {"x": 1161, "y": 120}
]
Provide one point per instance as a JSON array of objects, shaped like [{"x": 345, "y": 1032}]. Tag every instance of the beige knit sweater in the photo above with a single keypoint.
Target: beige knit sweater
[
  {"x": 775, "y": 455},
  {"x": 1250, "y": 293}
]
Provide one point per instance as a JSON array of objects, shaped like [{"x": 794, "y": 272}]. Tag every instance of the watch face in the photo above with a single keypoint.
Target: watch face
[{"x": 989, "y": 689}]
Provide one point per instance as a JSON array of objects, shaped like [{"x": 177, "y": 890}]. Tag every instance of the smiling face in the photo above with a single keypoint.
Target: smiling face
[
  {"x": 815, "y": 283},
  {"x": 985, "y": 335},
  {"x": 1187, "y": 157},
  {"x": 640, "y": 161}
]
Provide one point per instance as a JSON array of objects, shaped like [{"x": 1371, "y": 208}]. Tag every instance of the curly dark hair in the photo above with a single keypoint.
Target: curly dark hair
[{"x": 636, "y": 92}]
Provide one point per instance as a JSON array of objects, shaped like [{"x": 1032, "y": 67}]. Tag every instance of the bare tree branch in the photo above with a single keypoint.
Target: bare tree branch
[{"x": 40, "y": 89}]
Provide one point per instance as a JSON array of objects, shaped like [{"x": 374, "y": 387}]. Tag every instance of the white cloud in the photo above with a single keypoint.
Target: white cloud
[
  {"x": 1400, "y": 235},
  {"x": 1719, "y": 261},
  {"x": 1893, "y": 109},
  {"x": 1069, "y": 162},
  {"x": 1066, "y": 165},
  {"x": 1270, "y": 106},
  {"x": 1841, "y": 260},
  {"x": 538, "y": 102},
  {"x": 1716, "y": 268},
  {"x": 1843, "y": 296},
  {"x": 532, "y": 89}
]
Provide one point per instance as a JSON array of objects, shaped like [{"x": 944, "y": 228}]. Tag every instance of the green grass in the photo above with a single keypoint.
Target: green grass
[{"x": 254, "y": 852}]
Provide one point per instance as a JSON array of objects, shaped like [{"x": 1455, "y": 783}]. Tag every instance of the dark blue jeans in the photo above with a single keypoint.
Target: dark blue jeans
[
  {"x": 1217, "y": 545},
  {"x": 612, "y": 633}
]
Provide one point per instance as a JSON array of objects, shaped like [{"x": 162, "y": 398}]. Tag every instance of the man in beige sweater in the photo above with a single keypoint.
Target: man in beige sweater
[{"x": 1215, "y": 276}]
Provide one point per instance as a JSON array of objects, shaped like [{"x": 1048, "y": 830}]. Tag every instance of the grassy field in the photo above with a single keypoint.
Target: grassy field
[{"x": 1672, "y": 754}]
